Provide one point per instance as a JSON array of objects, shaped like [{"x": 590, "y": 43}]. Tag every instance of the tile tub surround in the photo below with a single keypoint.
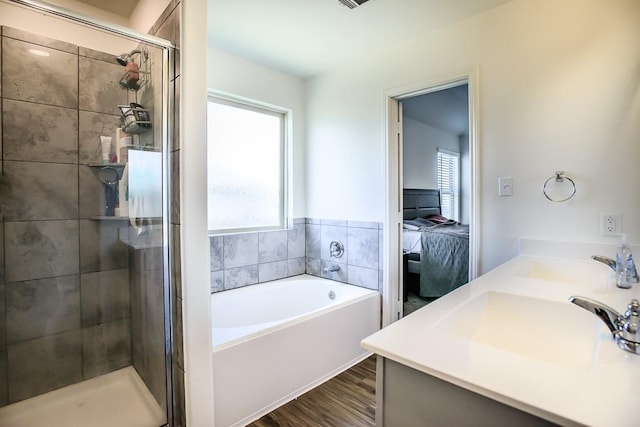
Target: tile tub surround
[
  {"x": 64, "y": 277},
  {"x": 361, "y": 263},
  {"x": 238, "y": 260}
]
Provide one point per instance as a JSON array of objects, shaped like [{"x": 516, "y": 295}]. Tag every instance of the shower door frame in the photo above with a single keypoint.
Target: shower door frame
[{"x": 167, "y": 111}]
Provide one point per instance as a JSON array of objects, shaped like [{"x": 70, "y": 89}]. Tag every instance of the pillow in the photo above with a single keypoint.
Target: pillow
[
  {"x": 419, "y": 222},
  {"x": 410, "y": 226},
  {"x": 424, "y": 222},
  {"x": 439, "y": 219}
]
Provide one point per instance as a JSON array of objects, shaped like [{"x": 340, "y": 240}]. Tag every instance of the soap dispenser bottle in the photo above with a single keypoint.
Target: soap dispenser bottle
[{"x": 626, "y": 272}]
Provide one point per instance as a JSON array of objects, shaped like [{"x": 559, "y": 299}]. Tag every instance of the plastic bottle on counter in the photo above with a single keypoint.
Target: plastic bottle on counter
[{"x": 626, "y": 272}]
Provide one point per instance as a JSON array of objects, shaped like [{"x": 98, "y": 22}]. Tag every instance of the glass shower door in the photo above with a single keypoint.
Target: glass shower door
[{"x": 83, "y": 241}]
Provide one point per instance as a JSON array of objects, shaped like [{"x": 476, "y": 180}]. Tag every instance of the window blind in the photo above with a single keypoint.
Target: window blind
[{"x": 449, "y": 183}]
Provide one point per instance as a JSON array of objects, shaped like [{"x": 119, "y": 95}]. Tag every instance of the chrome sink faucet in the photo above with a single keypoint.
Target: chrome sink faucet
[
  {"x": 624, "y": 327},
  {"x": 611, "y": 263},
  {"x": 623, "y": 273}
]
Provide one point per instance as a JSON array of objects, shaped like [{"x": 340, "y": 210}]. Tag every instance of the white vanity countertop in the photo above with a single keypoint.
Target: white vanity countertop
[{"x": 574, "y": 375}]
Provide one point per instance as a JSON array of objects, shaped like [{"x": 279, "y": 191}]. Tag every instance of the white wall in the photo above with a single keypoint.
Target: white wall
[
  {"x": 146, "y": 13},
  {"x": 141, "y": 19},
  {"x": 193, "y": 215},
  {"x": 559, "y": 89},
  {"x": 89, "y": 10},
  {"x": 60, "y": 29},
  {"x": 420, "y": 152},
  {"x": 233, "y": 75}
]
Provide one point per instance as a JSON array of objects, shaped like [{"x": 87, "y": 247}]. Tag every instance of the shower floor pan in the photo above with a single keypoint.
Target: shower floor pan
[{"x": 119, "y": 398}]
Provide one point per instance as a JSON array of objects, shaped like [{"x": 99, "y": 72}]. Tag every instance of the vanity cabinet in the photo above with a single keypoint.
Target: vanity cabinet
[
  {"x": 411, "y": 398},
  {"x": 510, "y": 349}
]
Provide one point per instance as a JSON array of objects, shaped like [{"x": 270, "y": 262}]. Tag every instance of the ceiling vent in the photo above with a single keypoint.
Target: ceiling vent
[{"x": 352, "y": 4}]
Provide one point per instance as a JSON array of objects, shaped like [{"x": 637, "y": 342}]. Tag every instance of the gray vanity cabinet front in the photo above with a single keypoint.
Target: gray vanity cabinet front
[{"x": 411, "y": 398}]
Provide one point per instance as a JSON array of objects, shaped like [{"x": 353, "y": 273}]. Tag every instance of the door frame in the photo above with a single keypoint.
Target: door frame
[{"x": 392, "y": 234}]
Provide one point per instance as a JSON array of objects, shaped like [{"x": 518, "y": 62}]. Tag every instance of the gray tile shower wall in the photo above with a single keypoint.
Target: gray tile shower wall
[
  {"x": 64, "y": 288},
  {"x": 168, "y": 26},
  {"x": 4, "y": 398},
  {"x": 147, "y": 318},
  {"x": 239, "y": 260}
]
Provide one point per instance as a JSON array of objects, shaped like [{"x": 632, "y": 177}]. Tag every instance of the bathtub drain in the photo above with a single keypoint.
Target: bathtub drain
[{"x": 332, "y": 295}]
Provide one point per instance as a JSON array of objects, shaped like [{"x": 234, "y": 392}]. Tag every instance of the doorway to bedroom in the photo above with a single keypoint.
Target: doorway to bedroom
[
  {"x": 435, "y": 188},
  {"x": 431, "y": 191}
]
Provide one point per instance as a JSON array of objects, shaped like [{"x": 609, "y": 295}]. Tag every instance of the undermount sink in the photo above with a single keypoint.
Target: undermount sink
[
  {"x": 575, "y": 271},
  {"x": 549, "y": 331}
]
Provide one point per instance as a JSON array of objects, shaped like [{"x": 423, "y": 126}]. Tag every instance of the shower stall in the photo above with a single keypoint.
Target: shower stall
[{"x": 85, "y": 297}]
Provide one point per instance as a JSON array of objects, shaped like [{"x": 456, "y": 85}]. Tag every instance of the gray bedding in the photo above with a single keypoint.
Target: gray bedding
[{"x": 444, "y": 263}]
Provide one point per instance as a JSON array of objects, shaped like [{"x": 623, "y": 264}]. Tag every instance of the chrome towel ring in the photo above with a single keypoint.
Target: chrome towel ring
[{"x": 559, "y": 178}]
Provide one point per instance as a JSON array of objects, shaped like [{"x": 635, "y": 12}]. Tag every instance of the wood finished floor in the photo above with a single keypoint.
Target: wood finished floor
[{"x": 347, "y": 400}]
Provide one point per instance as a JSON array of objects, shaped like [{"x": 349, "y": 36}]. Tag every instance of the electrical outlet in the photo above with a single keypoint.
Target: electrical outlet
[{"x": 609, "y": 224}]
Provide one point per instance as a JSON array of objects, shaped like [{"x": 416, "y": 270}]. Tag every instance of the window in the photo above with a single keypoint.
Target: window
[
  {"x": 245, "y": 166},
  {"x": 449, "y": 183}
]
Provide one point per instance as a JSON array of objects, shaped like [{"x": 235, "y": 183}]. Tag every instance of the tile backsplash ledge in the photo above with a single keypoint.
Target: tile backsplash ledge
[{"x": 238, "y": 260}]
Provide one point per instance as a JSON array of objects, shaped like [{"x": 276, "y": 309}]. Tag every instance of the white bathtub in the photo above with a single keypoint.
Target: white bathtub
[{"x": 275, "y": 341}]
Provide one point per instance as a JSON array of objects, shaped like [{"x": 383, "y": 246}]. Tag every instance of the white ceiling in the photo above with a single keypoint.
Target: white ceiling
[
  {"x": 446, "y": 109},
  {"x": 307, "y": 37}
]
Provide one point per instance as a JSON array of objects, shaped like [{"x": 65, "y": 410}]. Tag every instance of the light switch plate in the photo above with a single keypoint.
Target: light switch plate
[{"x": 505, "y": 186}]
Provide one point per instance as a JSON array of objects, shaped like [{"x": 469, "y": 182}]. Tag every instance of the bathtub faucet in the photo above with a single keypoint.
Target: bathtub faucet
[{"x": 331, "y": 269}]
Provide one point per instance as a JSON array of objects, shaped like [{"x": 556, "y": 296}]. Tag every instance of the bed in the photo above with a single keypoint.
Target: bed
[{"x": 435, "y": 249}]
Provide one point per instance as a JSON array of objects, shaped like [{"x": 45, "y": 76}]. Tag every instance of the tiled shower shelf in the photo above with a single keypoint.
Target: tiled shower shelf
[{"x": 119, "y": 167}]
